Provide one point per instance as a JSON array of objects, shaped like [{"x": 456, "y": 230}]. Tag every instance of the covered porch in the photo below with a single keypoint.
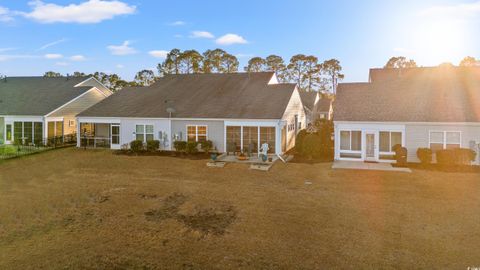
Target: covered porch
[
  {"x": 99, "y": 135},
  {"x": 248, "y": 138}
]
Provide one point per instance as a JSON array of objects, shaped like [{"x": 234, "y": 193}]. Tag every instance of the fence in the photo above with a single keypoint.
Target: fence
[{"x": 22, "y": 149}]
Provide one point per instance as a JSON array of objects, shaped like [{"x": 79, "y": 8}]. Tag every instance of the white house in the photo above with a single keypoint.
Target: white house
[
  {"x": 33, "y": 109},
  {"x": 431, "y": 107},
  {"x": 236, "y": 111}
]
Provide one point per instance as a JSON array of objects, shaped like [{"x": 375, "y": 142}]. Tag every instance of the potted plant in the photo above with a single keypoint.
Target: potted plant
[{"x": 242, "y": 156}]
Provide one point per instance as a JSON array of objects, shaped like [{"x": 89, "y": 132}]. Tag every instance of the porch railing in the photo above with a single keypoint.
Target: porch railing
[{"x": 95, "y": 142}]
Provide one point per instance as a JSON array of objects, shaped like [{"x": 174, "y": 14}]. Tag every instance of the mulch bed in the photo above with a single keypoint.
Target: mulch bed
[{"x": 195, "y": 156}]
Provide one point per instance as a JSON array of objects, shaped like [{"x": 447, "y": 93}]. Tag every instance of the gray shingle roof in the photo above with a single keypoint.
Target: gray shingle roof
[
  {"x": 443, "y": 94},
  {"x": 37, "y": 95},
  {"x": 308, "y": 98},
  {"x": 324, "y": 104},
  {"x": 231, "y": 96}
]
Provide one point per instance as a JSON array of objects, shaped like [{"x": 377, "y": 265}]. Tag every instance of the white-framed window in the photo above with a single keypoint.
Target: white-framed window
[
  {"x": 71, "y": 123},
  {"x": 439, "y": 140},
  {"x": 144, "y": 133},
  {"x": 351, "y": 140},
  {"x": 197, "y": 133},
  {"x": 388, "y": 139}
]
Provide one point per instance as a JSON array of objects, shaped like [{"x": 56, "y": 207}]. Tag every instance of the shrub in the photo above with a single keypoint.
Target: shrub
[
  {"x": 207, "y": 146},
  {"x": 425, "y": 155},
  {"x": 299, "y": 140},
  {"x": 311, "y": 145},
  {"x": 400, "y": 154},
  {"x": 153, "y": 145},
  {"x": 445, "y": 157},
  {"x": 136, "y": 145},
  {"x": 180, "y": 145},
  {"x": 191, "y": 147},
  {"x": 464, "y": 156}
]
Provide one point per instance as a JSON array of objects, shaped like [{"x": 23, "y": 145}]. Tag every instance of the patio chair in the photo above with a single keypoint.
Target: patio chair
[{"x": 231, "y": 147}]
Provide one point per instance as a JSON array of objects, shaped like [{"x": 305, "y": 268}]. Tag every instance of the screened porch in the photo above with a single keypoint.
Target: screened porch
[{"x": 99, "y": 135}]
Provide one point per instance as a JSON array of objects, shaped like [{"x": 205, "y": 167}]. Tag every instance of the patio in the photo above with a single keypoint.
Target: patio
[
  {"x": 359, "y": 165},
  {"x": 253, "y": 159}
]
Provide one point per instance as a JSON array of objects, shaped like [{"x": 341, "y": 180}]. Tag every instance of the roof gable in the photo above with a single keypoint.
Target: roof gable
[{"x": 38, "y": 95}]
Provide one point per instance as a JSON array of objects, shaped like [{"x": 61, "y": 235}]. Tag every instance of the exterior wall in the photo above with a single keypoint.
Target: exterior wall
[
  {"x": 294, "y": 107},
  {"x": 12, "y": 119},
  {"x": 215, "y": 130},
  {"x": 2, "y": 130},
  {"x": 417, "y": 135},
  {"x": 128, "y": 130},
  {"x": 69, "y": 111}
]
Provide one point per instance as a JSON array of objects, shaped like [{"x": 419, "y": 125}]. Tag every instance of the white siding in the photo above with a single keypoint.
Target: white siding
[
  {"x": 417, "y": 136},
  {"x": 215, "y": 130},
  {"x": 294, "y": 107},
  {"x": 2, "y": 130},
  {"x": 128, "y": 128}
]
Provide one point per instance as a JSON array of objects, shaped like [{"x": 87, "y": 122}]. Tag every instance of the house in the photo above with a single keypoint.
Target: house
[
  {"x": 429, "y": 107},
  {"x": 316, "y": 106},
  {"x": 33, "y": 109},
  {"x": 235, "y": 111}
]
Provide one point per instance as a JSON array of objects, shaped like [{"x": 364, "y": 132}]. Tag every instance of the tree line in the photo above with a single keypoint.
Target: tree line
[
  {"x": 403, "y": 62},
  {"x": 305, "y": 70}
]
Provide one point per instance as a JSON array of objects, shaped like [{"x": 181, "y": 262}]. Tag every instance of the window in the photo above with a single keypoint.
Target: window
[
  {"x": 144, "y": 133},
  {"x": 55, "y": 129},
  {"x": 350, "y": 140},
  {"x": 234, "y": 139},
  {"x": 71, "y": 123},
  {"x": 444, "y": 140},
  {"x": 26, "y": 132},
  {"x": 196, "y": 133},
  {"x": 388, "y": 140},
  {"x": 9, "y": 132},
  {"x": 267, "y": 135}
]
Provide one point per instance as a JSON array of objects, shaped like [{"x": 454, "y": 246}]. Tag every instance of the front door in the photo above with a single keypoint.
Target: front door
[
  {"x": 8, "y": 133},
  {"x": 115, "y": 136},
  {"x": 370, "y": 146}
]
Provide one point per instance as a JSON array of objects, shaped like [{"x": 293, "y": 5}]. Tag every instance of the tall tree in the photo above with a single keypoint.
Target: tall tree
[
  {"x": 400, "y": 62},
  {"x": 256, "y": 64},
  {"x": 305, "y": 72},
  {"x": 79, "y": 74},
  {"x": 276, "y": 64},
  {"x": 190, "y": 61},
  {"x": 219, "y": 61},
  {"x": 52, "y": 74},
  {"x": 145, "y": 77},
  {"x": 171, "y": 64},
  {"x": 469, "y": 61},
  {"x": 331, "y": 69}
]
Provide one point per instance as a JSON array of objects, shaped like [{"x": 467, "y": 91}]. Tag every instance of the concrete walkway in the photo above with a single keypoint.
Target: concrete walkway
[{"x": 360, "y": 165}]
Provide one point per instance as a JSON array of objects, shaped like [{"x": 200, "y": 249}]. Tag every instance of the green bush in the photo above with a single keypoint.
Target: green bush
[
  {"x": 136, "y": 145},
  {"x": 445, "y": 157},
  {"x": 180, "y": 145},
  {"x": 425, "y": 155},
  {"x": 299, "y": 140},
  {"x": 311, "y": 145},
  {"x": 464, "y": 156},
  {"x": 191, "y": 147},
  {"x": 206, "y": 146},
  {"x": 153, "y": 146}
]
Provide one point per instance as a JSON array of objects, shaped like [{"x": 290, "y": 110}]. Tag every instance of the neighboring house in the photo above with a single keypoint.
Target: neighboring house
[
  {"x": 316, "y": 106},
  {"x": 239, "y": 110},
  {"x": 33, "y": 109},
  {"x": 437, "y": 108}
]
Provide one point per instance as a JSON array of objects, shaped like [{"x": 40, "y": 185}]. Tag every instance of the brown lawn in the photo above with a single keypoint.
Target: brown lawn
[{"x": 77, "y": 209}]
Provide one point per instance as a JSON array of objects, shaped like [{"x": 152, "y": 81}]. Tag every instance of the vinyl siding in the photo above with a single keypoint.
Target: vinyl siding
[
  {"x": 72, "y": 109},
  {"x": 2, "y": 130},
  {"x": 215, "y": 130},
  {"x": 128, "y": 129},
  {"x": 294, "y": 107},
  {"x": 418, "y": 136}
]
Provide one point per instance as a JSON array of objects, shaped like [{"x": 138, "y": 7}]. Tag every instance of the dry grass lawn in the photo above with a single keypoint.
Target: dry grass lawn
[{"x": 77, "y": 209}]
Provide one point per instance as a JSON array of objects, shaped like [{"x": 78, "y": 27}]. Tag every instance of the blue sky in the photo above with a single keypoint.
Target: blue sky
[{"x": 126, "y": 36}]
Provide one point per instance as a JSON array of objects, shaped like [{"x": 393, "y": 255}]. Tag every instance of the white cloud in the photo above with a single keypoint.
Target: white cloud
[
  {"x": 244, "y": 55},
  {"x": 201, "y": 34},
  {"x": 158, "y": 53},
  {"x": 230, "y": 39},
  {"x": 123, "y": 49},
  {"x": 53, "y": 43},
  {"x": 453, "y": 11},
  {"x": 119, "y": 66},
  {"x": 62, "y": 64},
  {"x": 6, "y": 49},
  {"x": 91, "y": 11},
  {"x": 5, "y": 15},
  {"x": 177, "y": 23},
  {"x": 53, "y": 56},
  {"x": 78, "y": 58}
]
